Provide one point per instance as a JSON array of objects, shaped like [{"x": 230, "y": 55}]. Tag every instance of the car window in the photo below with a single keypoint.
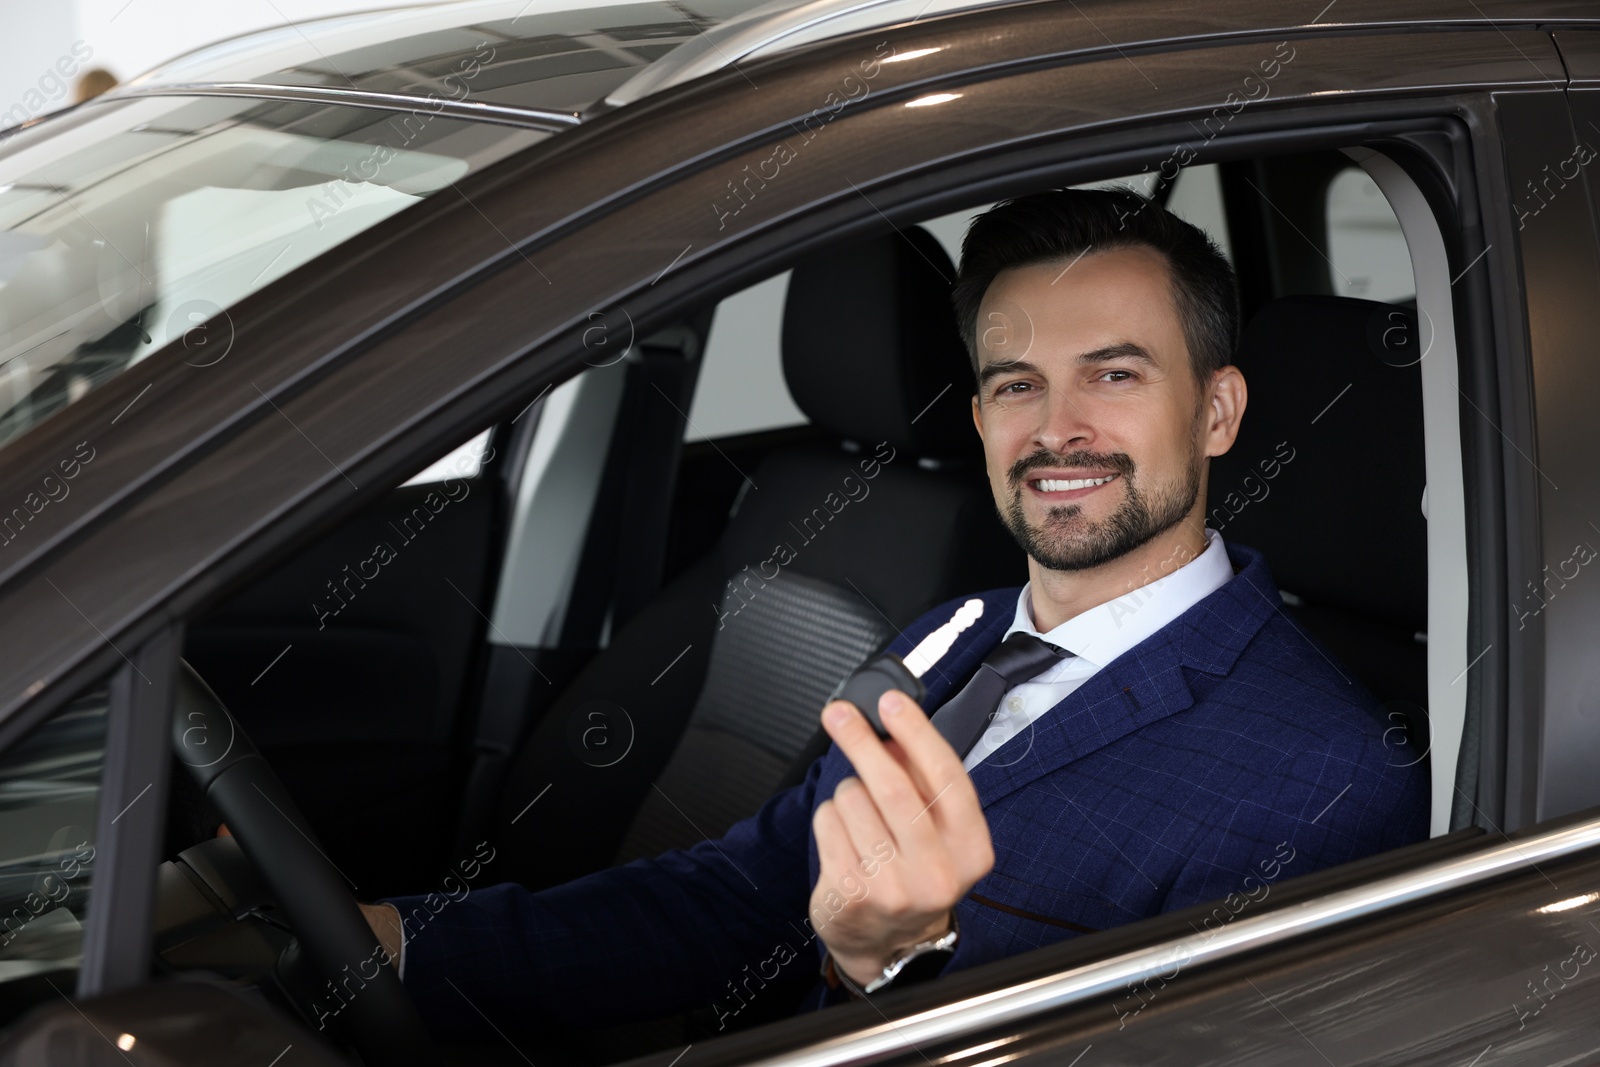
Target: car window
[
  {"x": 740, "y": 388},
  {"x": 49, "y": 793},
  {"x": 129, "y": 224},
  {"x": 556, "y": 493},
  {"x": 463, "y": 461},
  {"x": 1367, "y": 253},
  {"x": 1196, "y": 198}
]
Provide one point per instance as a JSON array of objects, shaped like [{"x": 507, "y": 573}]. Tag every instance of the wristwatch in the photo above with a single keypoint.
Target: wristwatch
[{"x": 921, "y": 961}]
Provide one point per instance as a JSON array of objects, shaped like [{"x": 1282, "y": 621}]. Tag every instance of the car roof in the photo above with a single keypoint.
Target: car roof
[
  {"x": 552, "y": 63},
  {"x": 555, "y": 63}
]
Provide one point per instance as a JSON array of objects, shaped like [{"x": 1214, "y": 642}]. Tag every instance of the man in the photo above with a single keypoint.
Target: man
[{"x": 1137, "y": 729}]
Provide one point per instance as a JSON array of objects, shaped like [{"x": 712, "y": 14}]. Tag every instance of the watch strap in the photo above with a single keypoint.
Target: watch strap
[{"x": 901, "y": 967}]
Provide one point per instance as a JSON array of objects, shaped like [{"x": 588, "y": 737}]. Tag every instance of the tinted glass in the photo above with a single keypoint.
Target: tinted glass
[
  {"x": 124, "y": 226},
  {"x": 49, "y": 793}
]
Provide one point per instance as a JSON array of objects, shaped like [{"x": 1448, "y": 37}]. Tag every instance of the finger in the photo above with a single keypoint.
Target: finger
[
  {"x": 835, "y": 850},
  {"x": 867, "y": 753},
  {"x": 951, "y": 797},
  {"x": 865, "y": 823},
  {"x": 892, "y": 788},
  {"x": 897, "y": 750}
]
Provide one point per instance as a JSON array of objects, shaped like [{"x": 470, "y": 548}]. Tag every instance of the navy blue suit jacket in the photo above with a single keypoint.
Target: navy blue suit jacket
[{"x": 1222, "y": 752}]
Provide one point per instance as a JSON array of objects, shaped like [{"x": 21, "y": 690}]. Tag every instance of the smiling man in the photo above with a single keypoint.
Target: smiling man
[
  {"x": 1136, "y": 729},
  {"x": 1147, "y": 729}
]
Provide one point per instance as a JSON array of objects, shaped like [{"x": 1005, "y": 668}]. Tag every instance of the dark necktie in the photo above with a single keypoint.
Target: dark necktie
[{"x": 1018, "y": 658}]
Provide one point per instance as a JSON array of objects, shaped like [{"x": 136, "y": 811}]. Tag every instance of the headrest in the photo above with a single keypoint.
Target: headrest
[
  {"x": 871, "y": 350},
  {"x": 1326, "y": 476}
]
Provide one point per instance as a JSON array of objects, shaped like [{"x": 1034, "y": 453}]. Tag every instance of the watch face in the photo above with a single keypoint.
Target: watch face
[{"x": 923, "y": 966}]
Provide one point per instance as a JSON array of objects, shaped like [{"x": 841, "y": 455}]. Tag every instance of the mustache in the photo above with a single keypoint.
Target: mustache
[{"x": 1120, "y": 462}]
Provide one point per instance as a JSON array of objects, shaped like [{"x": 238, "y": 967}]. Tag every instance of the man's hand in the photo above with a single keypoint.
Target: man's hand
[
  {"x": 385, "y": 922},
  {"x": 912, "y": 796},
  {"x": 383, "y": 918}
]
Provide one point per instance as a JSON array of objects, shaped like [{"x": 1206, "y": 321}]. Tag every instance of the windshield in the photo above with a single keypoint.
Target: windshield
[{"x": 125, "y": 225}]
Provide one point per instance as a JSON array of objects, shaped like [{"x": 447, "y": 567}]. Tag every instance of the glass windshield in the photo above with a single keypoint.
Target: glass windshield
[{"x": 126, "y": 225}]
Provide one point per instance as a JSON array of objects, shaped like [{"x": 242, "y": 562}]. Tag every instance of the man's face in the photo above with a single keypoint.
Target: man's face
[{"x": 1093, "y": 424}]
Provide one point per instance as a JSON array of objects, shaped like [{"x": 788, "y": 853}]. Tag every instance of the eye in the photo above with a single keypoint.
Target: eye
[
  {"x": 1126, "y": 375},
  {"x": 1011, "y": 388}
]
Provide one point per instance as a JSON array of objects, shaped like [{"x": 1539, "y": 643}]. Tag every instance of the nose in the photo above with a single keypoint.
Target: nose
[{"x": 1064, "y": 422}]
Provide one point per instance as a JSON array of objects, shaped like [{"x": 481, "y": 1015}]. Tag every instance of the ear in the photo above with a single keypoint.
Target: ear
[
  {"x": 977, "y": 416},
  {"x": 1224, "y": 409}
]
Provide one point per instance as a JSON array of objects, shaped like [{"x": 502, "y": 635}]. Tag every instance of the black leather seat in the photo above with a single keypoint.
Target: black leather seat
[
  {"x": 707, "y": 698},
  {"x": 1326, "y": 479}
]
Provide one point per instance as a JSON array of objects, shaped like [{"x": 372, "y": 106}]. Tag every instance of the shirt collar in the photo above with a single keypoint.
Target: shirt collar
[{"x": 1105, "y": 631}]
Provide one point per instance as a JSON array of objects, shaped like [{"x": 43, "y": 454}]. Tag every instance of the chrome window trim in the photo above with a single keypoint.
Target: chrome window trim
[
  {"x": 1015, "y": 1004},
  {"x": 763, "y": 29},
  {"x": 539, "y": 119}
]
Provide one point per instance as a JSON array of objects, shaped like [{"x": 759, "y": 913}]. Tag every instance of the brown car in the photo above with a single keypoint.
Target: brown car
[{"x": 394, "y": 409}]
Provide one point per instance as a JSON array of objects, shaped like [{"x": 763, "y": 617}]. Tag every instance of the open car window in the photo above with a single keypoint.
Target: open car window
[{"x": 741, "y": 388}]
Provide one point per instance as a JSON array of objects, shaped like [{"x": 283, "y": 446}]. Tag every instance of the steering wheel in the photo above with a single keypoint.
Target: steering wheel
[{"x": 383, "y": 1021}]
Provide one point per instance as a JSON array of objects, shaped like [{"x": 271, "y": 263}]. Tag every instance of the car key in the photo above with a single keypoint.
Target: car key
[{"x": 864, "y": 685}]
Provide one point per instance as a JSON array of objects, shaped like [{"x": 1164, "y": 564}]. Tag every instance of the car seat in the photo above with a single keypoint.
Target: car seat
[{"x": 707, "y": 697}]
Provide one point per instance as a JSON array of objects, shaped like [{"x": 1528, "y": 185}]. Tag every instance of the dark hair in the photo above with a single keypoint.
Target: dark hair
[{"x": 1063, "y": 223}]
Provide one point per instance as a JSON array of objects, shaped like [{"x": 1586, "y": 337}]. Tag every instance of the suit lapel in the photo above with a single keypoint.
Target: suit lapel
[
  {"x": 1143, "y": 685},
  {"x": 1137, "y": 688}
]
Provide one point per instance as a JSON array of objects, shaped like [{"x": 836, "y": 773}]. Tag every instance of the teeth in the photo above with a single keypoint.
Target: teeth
[{"x": 1063, "y": 485}]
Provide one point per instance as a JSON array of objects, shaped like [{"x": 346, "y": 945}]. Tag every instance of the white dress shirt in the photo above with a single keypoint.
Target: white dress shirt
[{"x": 1095, "y": 637}]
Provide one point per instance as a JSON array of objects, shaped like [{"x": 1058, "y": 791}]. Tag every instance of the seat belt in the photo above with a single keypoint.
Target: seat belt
[
  {"x": 622, "y": 561},
  {"x": 623, "y": 556}
]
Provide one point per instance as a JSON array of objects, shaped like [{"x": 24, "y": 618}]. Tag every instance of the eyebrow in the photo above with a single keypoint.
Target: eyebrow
[
  {"x": 1004, "y": 366},
  {"x": 1106, "y": 354}
]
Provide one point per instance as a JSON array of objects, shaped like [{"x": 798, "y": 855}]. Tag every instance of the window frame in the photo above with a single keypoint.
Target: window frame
[{"x": 131, "y": 818}]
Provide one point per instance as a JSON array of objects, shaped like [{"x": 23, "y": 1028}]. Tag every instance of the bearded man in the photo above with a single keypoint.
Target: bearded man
[{"x": 1137, "y": 729}]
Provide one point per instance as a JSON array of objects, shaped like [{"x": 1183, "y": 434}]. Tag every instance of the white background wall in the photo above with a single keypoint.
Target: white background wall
[{"x": 127, "y": 37}]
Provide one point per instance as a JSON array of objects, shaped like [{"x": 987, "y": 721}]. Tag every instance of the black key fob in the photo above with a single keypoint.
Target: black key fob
[{"x": 871, "y": 680}]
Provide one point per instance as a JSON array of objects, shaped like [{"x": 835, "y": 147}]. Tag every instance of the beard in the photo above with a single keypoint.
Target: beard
[{"x": 1066, "y": 541}]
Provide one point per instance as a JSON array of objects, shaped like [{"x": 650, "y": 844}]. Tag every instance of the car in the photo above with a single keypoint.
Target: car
[{"x": 403, "y": 413}]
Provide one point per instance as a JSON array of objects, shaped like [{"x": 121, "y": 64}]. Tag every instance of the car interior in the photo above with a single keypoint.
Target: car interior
[{"x": 604, "y": 627}]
